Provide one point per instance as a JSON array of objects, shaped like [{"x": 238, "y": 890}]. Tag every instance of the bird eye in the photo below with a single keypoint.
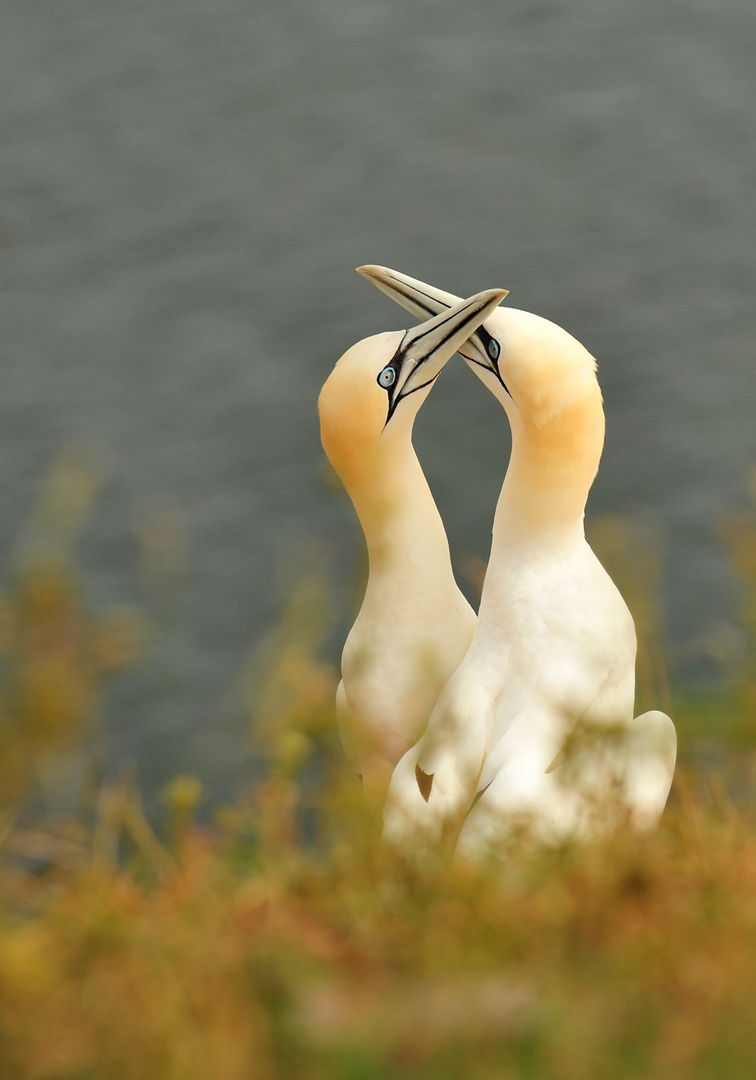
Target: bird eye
[
  {"x": 387, "y": 378},
  {"x": 493, "y": 349}
]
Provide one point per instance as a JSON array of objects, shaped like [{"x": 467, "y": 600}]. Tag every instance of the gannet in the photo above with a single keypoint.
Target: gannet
[
  {"x": 552, "y": 661},
  {"x": 414, "y": 625}
]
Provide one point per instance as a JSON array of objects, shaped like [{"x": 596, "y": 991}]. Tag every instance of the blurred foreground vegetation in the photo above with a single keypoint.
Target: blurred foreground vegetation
[{"x": 277, "y": 938}]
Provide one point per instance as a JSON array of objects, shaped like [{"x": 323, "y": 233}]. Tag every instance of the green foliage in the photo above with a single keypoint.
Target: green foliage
[
  {"x": 285, "y": 941},
  {"x": 626, "y": 958}
]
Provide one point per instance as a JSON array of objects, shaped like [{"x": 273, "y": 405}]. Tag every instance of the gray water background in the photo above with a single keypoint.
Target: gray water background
[{"x": 185, "y": 189}]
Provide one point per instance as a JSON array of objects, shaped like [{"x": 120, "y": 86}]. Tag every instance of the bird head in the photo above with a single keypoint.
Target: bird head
[
  {"x": 480, "y": 349},
  {"x": 534, "y": 367},
  {"x": 544, "y": 376},
  {"x": 377, "y": 387}
]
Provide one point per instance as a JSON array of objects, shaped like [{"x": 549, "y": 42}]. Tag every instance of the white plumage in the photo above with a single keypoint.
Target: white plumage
[
  {"x": 414, "y": 625},
  {"x": 536, "y": 724}
]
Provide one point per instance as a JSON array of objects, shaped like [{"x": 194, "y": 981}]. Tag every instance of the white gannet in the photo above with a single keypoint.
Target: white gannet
[
  {"x": 552, "y": 660},
  {"x": 414, "y": 625}
]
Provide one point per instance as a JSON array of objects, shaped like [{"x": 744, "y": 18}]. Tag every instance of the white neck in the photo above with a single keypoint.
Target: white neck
[
  {"x": 403, "y": 529},
  {"x": 551, "y": 470}
]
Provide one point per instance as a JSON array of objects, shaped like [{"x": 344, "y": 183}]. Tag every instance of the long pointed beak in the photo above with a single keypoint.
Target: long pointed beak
[
  {"x": 425, "y": 349},
  {"x": 424, "y": 301}
]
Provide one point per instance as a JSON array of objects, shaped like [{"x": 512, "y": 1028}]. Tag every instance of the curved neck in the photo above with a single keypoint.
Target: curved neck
[
  {"x": 402, "y": 526},
  {"x": 551, "y": 470}
]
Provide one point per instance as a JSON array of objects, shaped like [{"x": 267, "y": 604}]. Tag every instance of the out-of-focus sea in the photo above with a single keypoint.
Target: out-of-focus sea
[{"x": 186, "y": 187}]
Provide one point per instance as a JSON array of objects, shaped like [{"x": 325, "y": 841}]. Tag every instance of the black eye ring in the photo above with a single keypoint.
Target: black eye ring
[
  {"x": 387, "y": 378},
  {"x": 493, "y": 349}
]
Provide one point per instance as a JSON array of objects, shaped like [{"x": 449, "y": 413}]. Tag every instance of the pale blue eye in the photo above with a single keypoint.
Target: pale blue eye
[
  {"x": 493, "y": 349},
  {"x": 387, "y": 378}
]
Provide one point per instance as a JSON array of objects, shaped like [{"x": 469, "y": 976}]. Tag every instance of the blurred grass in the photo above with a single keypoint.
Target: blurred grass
[{"x": 280, "y": 939}]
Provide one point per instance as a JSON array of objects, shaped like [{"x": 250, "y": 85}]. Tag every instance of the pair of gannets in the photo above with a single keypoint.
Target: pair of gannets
[{"x": 525, "y": 718}]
